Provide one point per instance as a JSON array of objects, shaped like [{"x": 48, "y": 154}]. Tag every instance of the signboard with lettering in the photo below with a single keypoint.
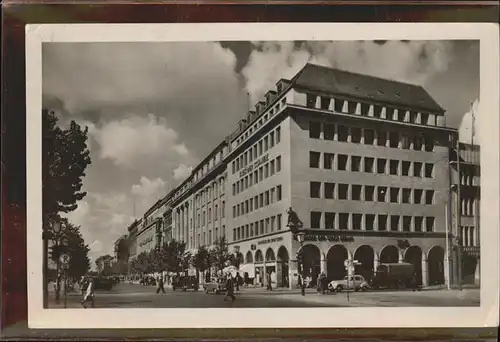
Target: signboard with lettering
[
  {"x": 330, "y": 238},
  {"x": 254, "y": 165},
  {"x": 263, "y": 242}
]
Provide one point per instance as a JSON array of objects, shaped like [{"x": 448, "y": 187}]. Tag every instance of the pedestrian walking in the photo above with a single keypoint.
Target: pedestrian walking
[
  {"x": 229, "y": 288},
  {"x": 160, "y": 286},
  {"x": 268, "y": 281},
  {"x": 238, "y": 281},
  {"x": 89, "y": 295}
]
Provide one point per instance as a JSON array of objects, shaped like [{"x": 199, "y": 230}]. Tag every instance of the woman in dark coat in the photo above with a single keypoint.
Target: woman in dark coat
[{"x": 229, "y": 288}]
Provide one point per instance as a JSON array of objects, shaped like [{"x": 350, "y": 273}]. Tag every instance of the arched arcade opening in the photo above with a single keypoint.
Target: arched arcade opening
[
  {"x": 282, "y": 267},
  {"x": 335, "y": 259},
  {"x": 312, "y": 262},
  {"x": 413, "y": 255},
  {"x": 389, "y": 254},
  {"x": 365, "y": 255},
  {"x": 435, "y": 262}
]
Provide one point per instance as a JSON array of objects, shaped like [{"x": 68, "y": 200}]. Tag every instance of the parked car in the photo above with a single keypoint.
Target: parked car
[
  {"x": 215, "y": 286},
  {"x": 185, "y": 283},
  {"x": 356, "y": 283},
  {"x": 393, "y": 275}
]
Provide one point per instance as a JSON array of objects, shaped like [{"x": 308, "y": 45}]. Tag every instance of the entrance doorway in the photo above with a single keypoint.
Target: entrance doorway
[
  {"x": 335, "y": 262},
  {"x": 364, "y": 255},
  {"x": 283, "y": 267},
  {"x": 413, "y": 255},
  {"x": 311, "y": 266},
  {"x": 436, "y": 265}
]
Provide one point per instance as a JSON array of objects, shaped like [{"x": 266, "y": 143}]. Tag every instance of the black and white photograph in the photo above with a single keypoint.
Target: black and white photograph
[{"x": 262, "y": 173}]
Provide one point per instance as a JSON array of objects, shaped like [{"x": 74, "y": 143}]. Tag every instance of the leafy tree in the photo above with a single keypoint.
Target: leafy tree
[
  {"x": 173, "y": 256},
  {"x": 219, "y": 255},
  {"x": 141, "y": 263},
  {"x": 201, "y": 260},
  {"x": 71, "y": 242},
  {"x": 65, "y": 156},
  {"x": 104, "y": 264}
]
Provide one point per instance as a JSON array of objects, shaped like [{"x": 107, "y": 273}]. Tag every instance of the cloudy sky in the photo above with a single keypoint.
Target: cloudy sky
[{"x": 155, "y": 109}]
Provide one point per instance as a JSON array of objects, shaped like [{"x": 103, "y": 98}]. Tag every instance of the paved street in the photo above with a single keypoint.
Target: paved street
[{"x": 127, "y": 295}]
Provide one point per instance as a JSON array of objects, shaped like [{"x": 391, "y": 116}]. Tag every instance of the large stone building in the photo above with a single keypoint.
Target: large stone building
[{"x": 366, "y": 163}]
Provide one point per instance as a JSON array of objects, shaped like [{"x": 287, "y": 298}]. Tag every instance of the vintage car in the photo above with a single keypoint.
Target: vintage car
[
  {"x": 215, "y": 286},
  {"x": 185, "y": 283},
  {"x": 356, "y": 283}
]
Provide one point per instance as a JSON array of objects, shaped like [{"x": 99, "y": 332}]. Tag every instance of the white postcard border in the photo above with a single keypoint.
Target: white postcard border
[{"x": 484, "y": 316}]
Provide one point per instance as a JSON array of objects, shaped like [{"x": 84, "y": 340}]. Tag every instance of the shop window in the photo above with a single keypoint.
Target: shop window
[
  {"x": 343, "y": 133},
  {"x": 394, "y": 139},
  {"x": 329, "y": 131},
  {"x": 394, "y": 223},
  {"x": 356, "y": 192},
  {"x": 369, "y": 190},
  {"x": 406, "y": 195},
  {"x": 381, "y": 138},
  {"x": 394, "y": 194},
  {"x": 381, "y": 193},
  {"x": 393, "y": 167},
  {"x": 429, "y": 168},
  {"x": 314, "y": 159},
  {"x": 356, "y": 221},
  {"x": 429, "y": 197},
  {"x": 369, "y": 164},
  {"x": 429, "y": 224},
  {"x": 417, "y": 169},
  {"x": 355, "y": 135},
  {"x": 381, "y": 165},
  {"x": 342, "y": 162},
  {"x": 314, "y": 130},
  {"x": 417, "y": 196},
  {"x": 418, "y": 223},
  {"x": 325, "y": 102},
  {"x": 369, "y": 136},
  {"x": 406, "y": 223},
  {"x": 315, "y": 219},
  {"x": 343, "y": 221},
  {"x": 329, "y": 220},
  {"x": 382, "y": 222},
  {"x": 328, "y": 159},
  {"x": 406, "y": 168},
  {"x": 311, "y": 100},
  {"x": 369, "y": 221},
  {"x": 315, "y": 189},
  {"x": 355, "y": 163},
  {"x": 329, "y": 190},
  {"x": 343, "y": 189}
]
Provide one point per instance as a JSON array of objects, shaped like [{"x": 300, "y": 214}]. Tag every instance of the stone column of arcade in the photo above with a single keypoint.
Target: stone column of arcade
[
  {"x": 425, "y": 271},
  {"x": 323, "y": 265},
  {"x": 293, "y": 272},
  {"x": 350, "y": 270},
  {"x": 376, "y": 262}
]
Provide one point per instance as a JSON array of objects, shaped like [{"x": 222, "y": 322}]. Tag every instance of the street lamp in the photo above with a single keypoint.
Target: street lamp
[
  {"x": 300, "y": 262},
  {"x": 56, "y": 230}
]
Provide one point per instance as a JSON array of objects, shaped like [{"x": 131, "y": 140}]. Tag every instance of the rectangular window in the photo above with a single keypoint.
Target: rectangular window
[
  {"x": 369, "y": 190},
  {"x": 250, "y": 205},
  {"x": 429, "y": 197},
  {"x": 329, "y": 220},
  {"x": 356, "y": 221},
  {"x": 369, "y": 164},
  {"x": 273, "y": 192},
  {"x": 261, "y": 227},
  {"x": 406, "y": 223},
  {"x": 406, "y": 195},
  {"x": 315, "y": 189},
  {"x": 381, "y": 165},
  {"x": 417, "y": 169},
  {"x": 233, "y": 164},
  {"x": 394, "y": 139},
  {"x": 261, "y": 200},
  {"x": 393, "y": 167},
  {"x": 223, "y": 209},
  {"x": 261, "y": 174},
  {"x": 278, "y": 164},
  {"x": 355, "y": 163},
  {"x": 381, "y": 138},
  {"x": 267, "y": 227},
  {"x": 256, "y": 202},
  {"x": 278, "y": 192},
  {"x": 266, "y": 198},
  {"x": 325, "y": 102},
  {"x": 424, "y": 118},
  {"x": 356, "y": 135},
  {"x": 406, "y": 168},
  {"x": 418, "y": 223},
  {"x": 328, "y": 159},
  {"x": 382, "y": 222},
  {"x": 271, "y": 139},
  {"x": 369, "y": 136},
  {"x": 329, "y": 190},
  {"x": 272, "y": 170},
  {"x": 314, "y": 130},
  {"x": 273, "y": 223},
  {"x": 234, "y": 189},
  {"x": 356, "y": 192},
  {"x": 278, "y": 135},
  {"x": 234, "y": 211},
  {"x": 429, "y": 168},
  {"x": 394, "y": 223},
  {"x": 278, "y": 221},
  {"x": 216, "y": 211},
  {"x": 369, "y": 222},
  {"x": 417, "y": 143},
  {"x": 266, "y": 171},
  {"x": 429, "y": 224},
  {"x": 343, "y": 221},
  {"x": 417, "y": 196},
  {"x": 343, "y": 133},
  {"x": 329, "y": 131},
  {"x": 311, "y": 100},
  {"x": 234, "y": 234},
  {"x": 381, "y": 193},
  {"x": 341, "y": 162},
  {"x": 394, "y": 195},
  {"x": 343, "y": 189},
  {"x": 256, "y": 176},
  {"x": 429, "y": 143},
  {"x": 315, "y": 219},
  {"x": 260, "y": 148},
  {"x": 314, "y": 158},
  {"x": 405, "y": 142}
]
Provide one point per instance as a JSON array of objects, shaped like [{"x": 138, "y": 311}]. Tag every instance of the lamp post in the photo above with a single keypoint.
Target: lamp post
[{"x": 300, "y": 262}]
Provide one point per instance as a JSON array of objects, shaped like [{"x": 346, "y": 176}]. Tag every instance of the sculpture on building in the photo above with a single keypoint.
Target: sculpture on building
[{"x": 294, "y": 223}]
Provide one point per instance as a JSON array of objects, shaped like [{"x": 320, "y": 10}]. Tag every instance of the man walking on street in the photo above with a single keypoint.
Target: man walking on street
[
  {"x": 89, "y": 295},
  {"x": 160, "y": 285},
  {"x": 268, "y": 281}
]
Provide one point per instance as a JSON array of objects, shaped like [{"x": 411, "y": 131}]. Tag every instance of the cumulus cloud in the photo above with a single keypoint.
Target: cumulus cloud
[
  {"x": 149, "y": 190},
  {"x": 470, "y": 125},
  {"x": 182, "y": 172},
  {"x": 416, "y": 60}
]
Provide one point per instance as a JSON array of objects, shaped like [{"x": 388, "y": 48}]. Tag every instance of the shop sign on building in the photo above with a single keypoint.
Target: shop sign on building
[
  {"x": 254, "y": 165},
  {"x": 330, "y": 238},
  {"x": 264, "y": 242}
]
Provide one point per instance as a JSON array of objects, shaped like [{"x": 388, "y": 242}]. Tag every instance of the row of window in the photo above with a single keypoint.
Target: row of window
[
  {"x": 208, "y": 239},
  {"x": 370, "y": 193},
  {"x": 259, "y": 201},
  {"x": 353, "y": 221},
  {"x": 256, "y": 176},
  {"x": 364, "y": 109},
  {"x": 343, "y": 133},
  {"x": 210, "y": 192},
  {"x": 468, "y": 206},
  {"x": 257, "y": 228},
  {"x": 344, "y": 162},
  {"x": 201, "y": 218},
  {"x": 468, "y": 236},
  {"x": 257, "y": 149},
  {"x": 469, "y": 178},
  {"x": 261, "y": 121}
]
